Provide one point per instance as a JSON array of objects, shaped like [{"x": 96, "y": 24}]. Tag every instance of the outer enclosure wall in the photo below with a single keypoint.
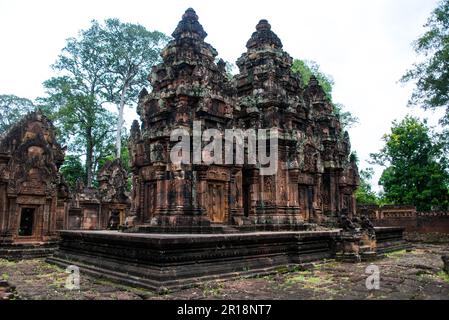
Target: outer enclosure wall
[{"x": 415, "y": 223}]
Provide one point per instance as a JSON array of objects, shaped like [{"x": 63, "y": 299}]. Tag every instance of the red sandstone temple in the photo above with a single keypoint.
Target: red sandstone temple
[
  {"x": 192, "y": 222},
  {"x": 33, "y": 196},
  {"x": 316, "y": 179}
]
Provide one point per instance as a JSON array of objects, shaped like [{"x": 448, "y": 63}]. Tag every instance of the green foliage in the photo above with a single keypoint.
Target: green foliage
[
  {"x": 416, "y": 169},
  {"x": 230, "y": 68},
  {"x": 128, "y": 52},
  {"x": 308, "y": 68},
  {"x": 104, "y": 64},
  {"x": 347, "y": 119},
  {"x": 364, "y": 193},
  {"x": 12, "y": 109},
  {"x": 432, "y": 74},
  {"x": 83, "y": 124},
  {"x": 125, "y": 158},
  {"x": 72, "y": 170}
]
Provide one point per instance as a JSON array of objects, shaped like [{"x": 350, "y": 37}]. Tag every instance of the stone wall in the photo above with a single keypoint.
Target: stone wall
[{"x": 420, "y": 226}]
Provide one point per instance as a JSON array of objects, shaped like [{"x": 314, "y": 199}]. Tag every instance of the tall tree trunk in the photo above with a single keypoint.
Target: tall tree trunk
[
  {"x": 121, "y": 109},
  {"x": 89, "y": 156}
]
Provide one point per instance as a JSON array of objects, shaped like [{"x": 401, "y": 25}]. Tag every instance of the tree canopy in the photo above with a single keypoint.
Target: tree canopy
[
  {"x": 130, "y": 50},
  {"x": 365, "y": 193},
  {"x": 83, "y": 124},
  {"x": 306, "y": 69},
  {"x": 432, "y": 74},
  {"x": 416, "y": 168},
  {"x": 72, "y": 170},
  {"x": 12, "y": 109},
  {"x": 105, "y": 64}
]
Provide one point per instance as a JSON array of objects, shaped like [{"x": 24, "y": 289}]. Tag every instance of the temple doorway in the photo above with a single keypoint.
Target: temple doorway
[
  {"x": 246, "y": 184},
  {"x": 26, "y": 222},
  {"x": 150, "y": 200},
  {"x": 306, "y": 201},
  {"x": 246, "y": 199},
  {"x": 216, "y": 202}
]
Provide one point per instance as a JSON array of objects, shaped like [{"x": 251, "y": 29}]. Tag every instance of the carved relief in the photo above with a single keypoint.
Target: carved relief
[
  {"x": 265, "y": 93},
  {"x": 30, "y": 159}
]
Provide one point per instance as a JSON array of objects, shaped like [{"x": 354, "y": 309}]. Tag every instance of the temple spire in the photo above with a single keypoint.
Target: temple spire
[
  {"x": 189, "y": 26},
  {"x": 313, "y": 81},
  {"x": 264, "y": 37}
]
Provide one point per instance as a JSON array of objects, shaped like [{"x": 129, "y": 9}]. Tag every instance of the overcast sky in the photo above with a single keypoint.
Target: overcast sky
[{"x": 364, "y": 44}]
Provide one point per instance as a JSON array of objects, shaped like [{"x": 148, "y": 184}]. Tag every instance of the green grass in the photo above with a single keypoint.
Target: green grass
[
  {"x": 395, "y": 254},
  {"x": 7, "y": 263},
  {"x": 213, "y": 289},
  {"x": 307, "y": 278},
  {"x": 282, "y": 269},
  {"x": 326, "y": 264},
  {"x": 443, "y": 276}
]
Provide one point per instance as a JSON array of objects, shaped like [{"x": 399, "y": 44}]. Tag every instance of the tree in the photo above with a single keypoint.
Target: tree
[
  {"x": 104, "y": 64},
  {"x": 416, "y": 169},
  {"x": 432, "y": 74},
  {"x": 308, "y": 68},
  {"x": 347, "y": 119},
  {"x": 75, "y": 95},
  {"x": 72, "y": 170},
  {"x": 12, "y": 109},
  {"x": 83, "y": 124},
  {"x": 365, "y": 193},
  {"x": 130, "y": 51},
  {"x": 125, "y": 159}
]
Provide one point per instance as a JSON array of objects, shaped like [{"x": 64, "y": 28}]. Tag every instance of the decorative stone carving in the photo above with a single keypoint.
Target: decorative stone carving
[
  {"x": 92, "y": 208},
  {"x": 33, "y": 194},
  {"x": 113, "y": 180},
  {"x": 316, "y": 180}
]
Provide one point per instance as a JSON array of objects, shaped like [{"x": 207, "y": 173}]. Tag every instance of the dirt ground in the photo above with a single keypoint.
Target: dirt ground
[{"x": 413, "y": 274}]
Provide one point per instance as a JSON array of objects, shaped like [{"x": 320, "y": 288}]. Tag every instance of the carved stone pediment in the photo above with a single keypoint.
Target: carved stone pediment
[
  {"x": 34, "y": 157},
  {"x": 113, "y": 180}
]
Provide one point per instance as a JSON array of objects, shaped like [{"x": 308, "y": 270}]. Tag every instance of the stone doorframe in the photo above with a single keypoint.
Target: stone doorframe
[{"x": 37, "y": 223}]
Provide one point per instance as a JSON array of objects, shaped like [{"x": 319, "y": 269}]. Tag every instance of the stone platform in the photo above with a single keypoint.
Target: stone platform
[
  {"x": 18, "y": 251},
  {"x": 390, "y": 239},
  {"x": 163, "y": 262}
]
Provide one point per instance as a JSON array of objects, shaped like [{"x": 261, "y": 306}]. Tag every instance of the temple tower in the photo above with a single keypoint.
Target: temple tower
[
  {"x": 269, "y": 96},
  {"x": 337, "y": 174},
  {"x": 188, "y": 88},
  {"x": 314, "y": 180},
  {"x": 33, "y": 196}
]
